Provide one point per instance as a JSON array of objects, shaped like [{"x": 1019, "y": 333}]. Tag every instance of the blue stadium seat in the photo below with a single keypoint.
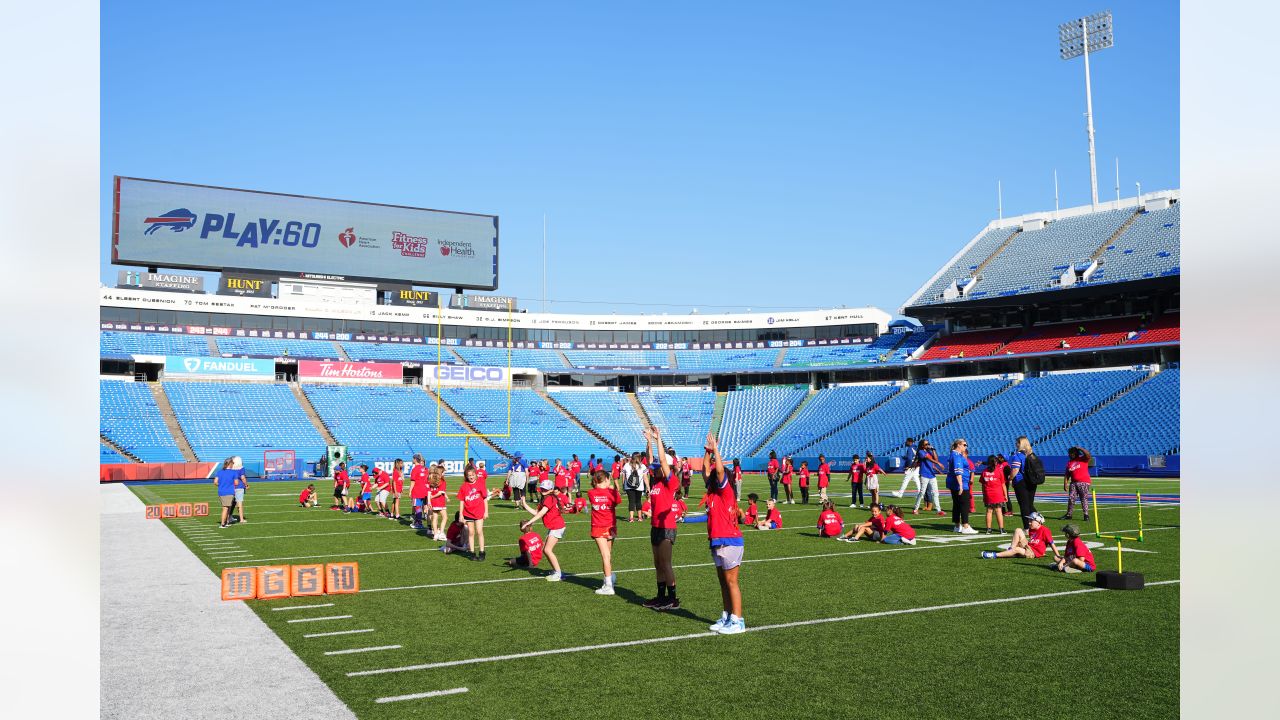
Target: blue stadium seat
[
  {"x": 124, "y": 344},
  {"x": 399, "y": 352},
  {"x": 750, "y": 415},
  {"x": 384, "y": 423},
  {"x": 683, "y": 417},
  {"x": 277, "y": 348},
  {"x": 1144, "y": 421},
  {"x": 825, "y": 410},
  {"x": 756, "y": 359},
  {"x": 222, "y": 419},
  {"x": 129, "y": 417},
  {"x": 618, "y": 358},
  {"x": 538, "y": 428},
  {"x": 520, "y": 357},
  {"x": 607, "y": 412}
]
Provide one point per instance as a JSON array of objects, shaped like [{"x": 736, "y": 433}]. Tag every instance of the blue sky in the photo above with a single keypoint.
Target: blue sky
[{"x": 687, "y": 155}]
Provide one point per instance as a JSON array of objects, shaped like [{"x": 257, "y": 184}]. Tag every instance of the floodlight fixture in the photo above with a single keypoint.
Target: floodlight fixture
[{"x": 1078, "y": 38}]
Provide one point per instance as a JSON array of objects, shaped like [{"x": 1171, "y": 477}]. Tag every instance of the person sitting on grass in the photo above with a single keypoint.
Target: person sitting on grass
[
  {"x": 773, "y": 521},
  {"x": 530, "y": 551},
  {"x": 1077, "y": 557},
  {"x": 1030, "y": 544},
  {"x": 875, "y": 528},
  {"x": 308, "y": 497},
  {"x": 455, "y": 538},
  {"x": 899, "y": 532},
  {"x": 752, "y": 515},
  {"x": 830, "y": 524}
]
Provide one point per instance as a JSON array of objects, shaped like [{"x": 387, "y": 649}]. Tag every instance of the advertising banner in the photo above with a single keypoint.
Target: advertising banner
[
  {"x": 337, "y": 371},
  {"x": 482, "y": 302},
  {"x": 414, "y": 298},
  {"x": 222, "y": 367},
  {"x": 179, "y": 225},
  {"x": 465, "y": 376},
  {"x": 160, "y": 281},
  {"x": 244, "y": 285}
]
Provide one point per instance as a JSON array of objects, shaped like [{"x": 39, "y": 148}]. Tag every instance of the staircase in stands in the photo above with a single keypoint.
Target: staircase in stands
[
  {"x": 171, "y": 421},
  {"x": 645, "y": 421},
  {"x": 794, "y": 411},
  {"x": 578, "y": 421},
  {"x": 717, "y": 414},
  {"x": 111, "y": 444},
  {"x": 953, "y": 418},
  {"x": 845, "y": 424},
  {"x": 305, "y": 403}
]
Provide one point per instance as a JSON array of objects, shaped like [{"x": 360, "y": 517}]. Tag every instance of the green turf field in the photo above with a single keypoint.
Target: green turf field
[{"x": 892, "y": 631}]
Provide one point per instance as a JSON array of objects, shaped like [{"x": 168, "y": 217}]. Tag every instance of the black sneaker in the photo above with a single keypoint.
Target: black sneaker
[
  {"x": 671, "y": 604},
  {"x": 481, "y": 557},
  {"x": 655, "y": 603}
]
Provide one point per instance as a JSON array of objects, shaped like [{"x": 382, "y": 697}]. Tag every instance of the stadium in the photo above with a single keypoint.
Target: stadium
[{"x": 342, "y": 476}]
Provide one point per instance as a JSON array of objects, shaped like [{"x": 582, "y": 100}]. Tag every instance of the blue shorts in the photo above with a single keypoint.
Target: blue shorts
[
  {"x": 419, "y": 502},
  {"x": 893, "y": 539},
  {"x": 366, "y": 496},
  {"x": 773, "y": 526},
  {"x": 1088, "y": 566},
  {"x": 239, "y": 495}
]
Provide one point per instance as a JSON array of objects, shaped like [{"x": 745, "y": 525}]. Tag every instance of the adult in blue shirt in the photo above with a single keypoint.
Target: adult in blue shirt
[
  {"x": 1023, "y": 489},
  {"x": 929, "y": 469},
  {"x": 910, "y": 468},
  {"x": 225, "y": 480},
  {"x": 960, "y": 483},
  {"x": 517, "y": 478}
]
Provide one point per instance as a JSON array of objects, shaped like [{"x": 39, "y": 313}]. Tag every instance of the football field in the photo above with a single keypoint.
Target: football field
[{"x": 834, "y": 629}]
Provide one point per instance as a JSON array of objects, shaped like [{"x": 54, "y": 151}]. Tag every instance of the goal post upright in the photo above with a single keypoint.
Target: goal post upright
[{"x": 439, "y": 388}]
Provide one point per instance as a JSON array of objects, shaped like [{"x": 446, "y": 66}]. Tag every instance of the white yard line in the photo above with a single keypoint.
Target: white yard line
[
  {"x": 301, "y": 607},
  {"x": 338, "y": 632},
  {"x": 419, "y": 696},
  {"x": 318, "y": 619},
  {"x": 760, "y": 628},
  {"x": 364, "y": 650}
]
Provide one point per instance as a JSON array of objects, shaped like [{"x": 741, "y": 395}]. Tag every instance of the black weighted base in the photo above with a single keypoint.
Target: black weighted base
[{"x": 1112, "y": 580}]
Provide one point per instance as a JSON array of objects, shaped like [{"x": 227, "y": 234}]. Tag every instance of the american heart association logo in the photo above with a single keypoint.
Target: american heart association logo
[
  {"x": 191, "y": 364},
  {"x": 347, "y": 237}
]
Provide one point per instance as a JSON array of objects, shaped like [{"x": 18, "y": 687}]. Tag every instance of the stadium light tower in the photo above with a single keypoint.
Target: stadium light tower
[{"x": 1079, "y": 38}]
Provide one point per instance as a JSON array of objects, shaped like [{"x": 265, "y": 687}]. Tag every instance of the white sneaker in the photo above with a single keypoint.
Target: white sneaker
[
  {"x": 734, "y": 627},
  {"x": 554, "y": 577},
  {"x": 721, "y": 624},
  {"x": 968, "y": 531},
  {"x": 852, "y": 505},
  {"x": 896, "y": 494},
  {"x": 605, "y": 589},
  {"x": 613, "y": 579}
]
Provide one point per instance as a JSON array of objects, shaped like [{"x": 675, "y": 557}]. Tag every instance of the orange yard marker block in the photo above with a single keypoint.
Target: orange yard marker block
[
  {"x": 169, "y": 510},
  {"x": 273, "y": 582},
  {"x": 341, "y": 578},
  {"x": 184, "y": 510},
  {"x": 239, "y": 583},
  {"x": 307, "y": 580},
  {"x": 200, "y": 509},
  {"x": 153, "y": 512}
]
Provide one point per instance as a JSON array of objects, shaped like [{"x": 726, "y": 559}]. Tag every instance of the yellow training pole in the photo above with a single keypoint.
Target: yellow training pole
[
  {"x": 1140, "y": 518},
  {"x": 1096, "y": 529},
  {"x": 1119, "y": 555},
  {"x": 466, "y": 452}
]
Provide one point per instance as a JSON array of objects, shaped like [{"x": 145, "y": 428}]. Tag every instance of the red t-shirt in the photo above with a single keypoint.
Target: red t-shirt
[
  {"x": 992, "y": 487},
  {"x": 786, "y": 473},
  {"x": 531, "y": 545},
  {"x": 397, "y": 483},
  {"x": 472, "y": 500},
  {"x": 856, "y": 469},
  {"x": 830, "y": 522},
  {"x": 662, "y": 494},
  {"x": 366, "y": 486},
  {"x": 879, "y": 522},
  {"x": 441, "y": 498},
  {"x": 775, "y": 517},
  {"x": 383, "y": 480},
  {"x": 553, "y": 520},
  {"x": 646, "y": 506},
  {"x": 344, "y": 478},
  {"x": 418, "y": 475},
  {"x": 575, "y": 469},
  {"x": 772, "y": 467},
  {"x": 562, "y": 478},
  {"x": 603, "y": 501},
  {"x": 616, "y": 470},
  {"x": 873, "y": 469},
  {"x": 454, "y": 533},
  {"x": 681, "y": 508},
  {"x": 824, "y": 474},
  {"x": 482, "y": 479},
  {"x": 579, "y": 504},
  {"x": 1078, "y": 471},
  {"x": 1077, "y": 548},
  {"x": 722, "y": 511},
  {"x": 753, "y": 514},
  {"x": 306, "y": 495},
  {"x": 900, "y": 526},
  {"x": 1039, "y": 540},
  {"x": 804, "y": 477}
]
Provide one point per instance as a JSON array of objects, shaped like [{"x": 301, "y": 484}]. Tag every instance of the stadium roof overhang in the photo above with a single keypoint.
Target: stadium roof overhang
[{"x": 1050, "y": 297}]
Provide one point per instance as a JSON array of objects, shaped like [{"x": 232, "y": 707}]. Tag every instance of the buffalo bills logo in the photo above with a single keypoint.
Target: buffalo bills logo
[
  {"x": 347, "y": 237},
  {"x": 176, "y": 220}
]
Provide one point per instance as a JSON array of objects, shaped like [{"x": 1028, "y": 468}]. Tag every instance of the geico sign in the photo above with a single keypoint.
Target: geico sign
[{"x": 468, "y": 373}]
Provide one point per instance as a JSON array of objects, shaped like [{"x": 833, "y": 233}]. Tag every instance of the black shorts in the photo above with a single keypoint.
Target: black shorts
[
  {"x": 523, "y": 560},
  {"x": 657, "y": 535},
  {"x": 337, "y": 492}
]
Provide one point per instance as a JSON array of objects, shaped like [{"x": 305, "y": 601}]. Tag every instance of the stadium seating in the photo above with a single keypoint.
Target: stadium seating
[
  {"x": 520, "y": 357},
  {"x": 538, "y": 428},
  {"x": 277, "y": 348},
  {"x": 1096, "y": 333},
  {"x": 878, "y": 350},
  {"x": 397, "y": 352},
  {"x": 607, "y": 412},
  {"x": 107, "y": 455},
  {"x": 907, "y": 414},
  {"x": 129, "y": 417},
  {"x": 1144, "y": 421},
  {"x": 913, "y": 342},
  {"x": 1035, "y": 260},
  {"x": 1034, "y": 407},
  {"x": 618, "y": 358},
  {"x": 756, "y": 359},
  {"x": 1165, "y": 328},
  {"x": 1150, "y": 247},
  {"x": 124, "y": 344},
  {"x": 978, "y": 343},
  {"x": 385, "y": 423},
  {"x": 222, "y": 419},
  {"x": 750, "y": 415},
  {"x": 827, "y": 409},
  {"x": 683, "y": 416},
  {"x": 964, "y": 266}
]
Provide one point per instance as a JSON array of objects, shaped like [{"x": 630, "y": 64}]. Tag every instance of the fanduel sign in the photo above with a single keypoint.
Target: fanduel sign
[
  {"x": 331, "y": 371},
  {"x": 225, "y": 367},
  {"x": 465, "y": 376}
]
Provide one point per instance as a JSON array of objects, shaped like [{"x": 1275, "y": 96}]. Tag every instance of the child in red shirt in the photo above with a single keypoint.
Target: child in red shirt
[
  {"x": 604, "y": 498},
  {"x": 993, "y": 495},
  {"x": 530, "y": 551},
  {"x": 474, "y": 503},
  {"x": 824, "y": 477},
  {"x": 898, "y": 532},
  {"x": 1077, "y": 557},
  {"x": 773, "y": 521},
  {"x": 856, "y": 469},
  {"x": 680, "y": 508},
  {"x": 872, "y": 481},
  {"x": 437, "y": 501},
  {"x": 308, "y": 497},
  {"x": 1077, "y": 483},
  {"x": 829, "y": 521},
  {"x": 1030, "y": 544},
  {"x": 752, "y": 516},
  {"x": 787, "y": 469},
  {"x": 804, "y": 482},
  {"x": 549, "y": 512},
  {"x": 455, "y": 538},
  {"x": 876, "y": 527}
]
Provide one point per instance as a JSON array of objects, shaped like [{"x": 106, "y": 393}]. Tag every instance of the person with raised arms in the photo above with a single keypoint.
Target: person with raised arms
[
  {"x": 724, "y": 537},
  {"x": 663, "y": 483}
]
